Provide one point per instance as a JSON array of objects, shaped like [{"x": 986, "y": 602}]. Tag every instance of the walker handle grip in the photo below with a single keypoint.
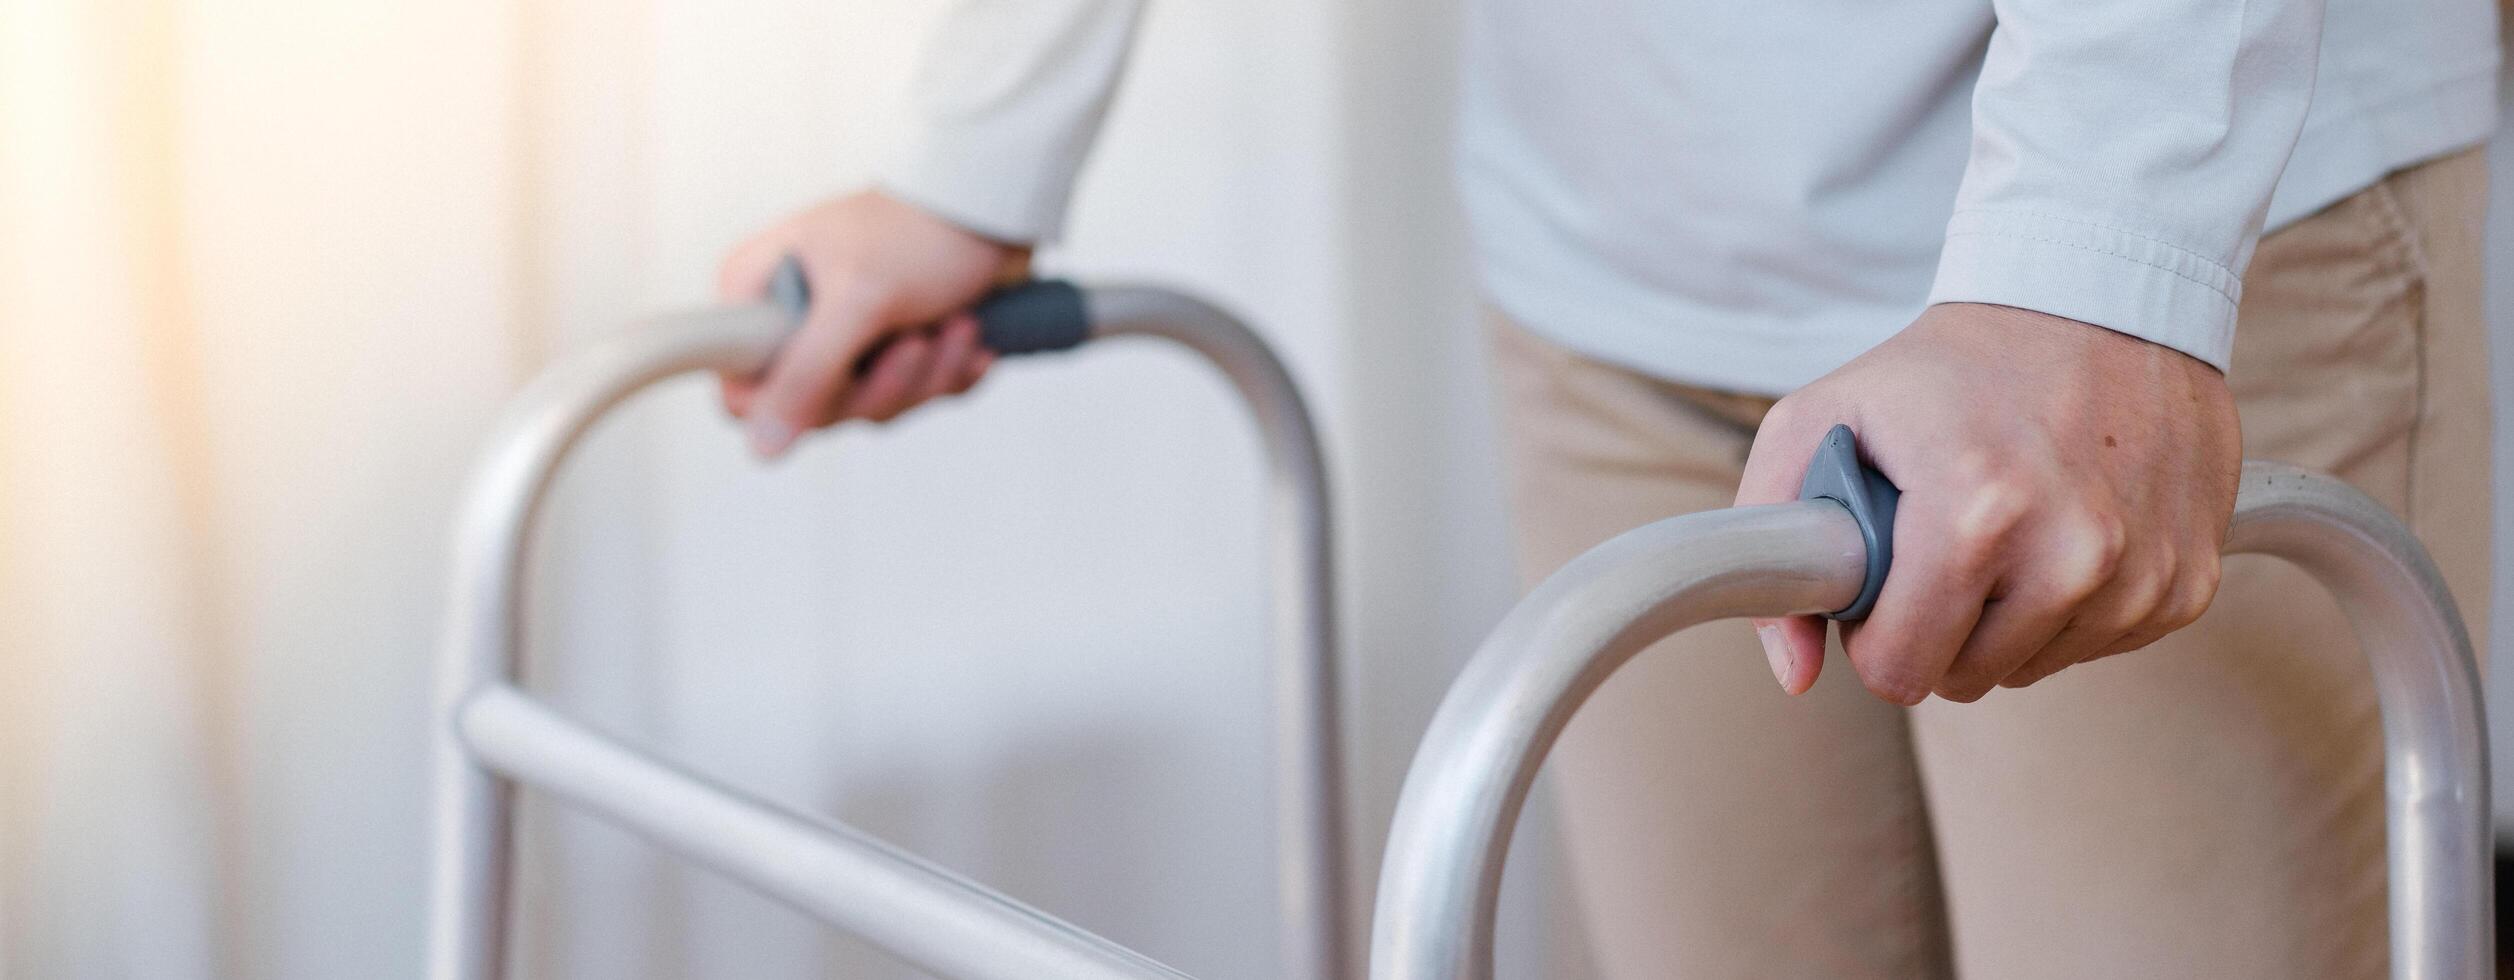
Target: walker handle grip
[
  {"x": 1836, "y": 474},
  {"x": 1026, "y": 318}
]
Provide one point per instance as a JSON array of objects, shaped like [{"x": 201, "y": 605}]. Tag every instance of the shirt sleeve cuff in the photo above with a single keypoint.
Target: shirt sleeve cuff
[
  {"x": 959, "y": 180},
  {"x": 2093, "y": 273}
]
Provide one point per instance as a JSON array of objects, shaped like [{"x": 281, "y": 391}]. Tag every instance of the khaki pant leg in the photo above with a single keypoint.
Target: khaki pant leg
[
  {"x": 1713, "y": 826},
  {"x": 2213, "y": 806}
]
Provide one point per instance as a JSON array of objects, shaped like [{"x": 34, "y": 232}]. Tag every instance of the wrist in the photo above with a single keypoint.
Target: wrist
[
  {"x": 2093, "y": 274},
  {"x": 2011, "y": 325}
]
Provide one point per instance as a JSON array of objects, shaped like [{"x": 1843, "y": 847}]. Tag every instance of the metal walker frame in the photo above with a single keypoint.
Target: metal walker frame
[
  {"x": 492, "y": 734},
  {"x": 1442, "y": 873},
  {"x": 1440, "y": 880}
]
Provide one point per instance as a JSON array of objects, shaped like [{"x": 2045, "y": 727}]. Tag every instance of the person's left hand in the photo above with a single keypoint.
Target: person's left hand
[{"x": 2066, "y": 490}]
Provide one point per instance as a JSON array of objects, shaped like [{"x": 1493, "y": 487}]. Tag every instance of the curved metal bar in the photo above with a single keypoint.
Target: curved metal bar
[
  {"x": 2426, "y": 678},
  {"x": 1440, "y": 880},
  {"x": 944, "y": 923},
  {"x": 1308, "y": 736},
  {"x": 472, "y": 811},
  {"x": 478, "y": 658}
]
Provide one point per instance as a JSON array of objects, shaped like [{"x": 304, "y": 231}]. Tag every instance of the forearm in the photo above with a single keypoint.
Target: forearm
[
  {"x": 2123, "y": 156},
  {"x": 1008, "y": 102}
]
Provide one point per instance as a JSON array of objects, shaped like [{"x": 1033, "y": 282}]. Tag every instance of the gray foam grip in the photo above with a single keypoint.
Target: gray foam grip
[
  {"x": 1836, "y": 474},
  {"x": 1028, "y": 318},
  {"x": 1042, "y": 315}
]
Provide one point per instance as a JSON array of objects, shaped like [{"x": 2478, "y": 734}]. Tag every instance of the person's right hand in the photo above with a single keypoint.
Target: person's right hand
[{"x": 880, "y": 269}]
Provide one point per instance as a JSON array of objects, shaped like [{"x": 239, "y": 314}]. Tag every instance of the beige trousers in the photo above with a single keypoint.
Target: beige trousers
[{"x": 2208, "y": 807}]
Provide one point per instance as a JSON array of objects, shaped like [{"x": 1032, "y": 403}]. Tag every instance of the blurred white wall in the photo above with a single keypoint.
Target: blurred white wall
[{"x": 272, "y": 266}]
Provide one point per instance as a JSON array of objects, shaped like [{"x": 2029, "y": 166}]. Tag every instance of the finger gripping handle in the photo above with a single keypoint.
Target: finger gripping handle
[
  {"x": 1836, "y": 474},
  {"x": 1027, "y": 318}
]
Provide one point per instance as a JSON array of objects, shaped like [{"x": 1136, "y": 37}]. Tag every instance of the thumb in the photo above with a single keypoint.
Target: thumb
[
  {"x": 810, "y": 372},
  {"x": 1774, "y": 469}
]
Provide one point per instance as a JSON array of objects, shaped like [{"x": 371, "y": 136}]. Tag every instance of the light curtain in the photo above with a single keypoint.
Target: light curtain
[
  {"x": 267, "y": 270},
  {"x": 251, "y": 310}
]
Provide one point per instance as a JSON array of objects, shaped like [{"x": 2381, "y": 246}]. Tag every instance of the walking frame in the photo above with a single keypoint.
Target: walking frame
[{"x": 1440, "y": 879}]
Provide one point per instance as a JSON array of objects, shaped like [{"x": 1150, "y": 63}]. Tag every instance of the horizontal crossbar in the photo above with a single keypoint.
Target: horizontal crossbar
[{"x": 922, "y": 913}]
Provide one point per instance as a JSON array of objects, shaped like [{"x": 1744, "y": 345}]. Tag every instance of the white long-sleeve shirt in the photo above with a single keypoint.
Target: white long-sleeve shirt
[{"x": 1747, "y": 195}]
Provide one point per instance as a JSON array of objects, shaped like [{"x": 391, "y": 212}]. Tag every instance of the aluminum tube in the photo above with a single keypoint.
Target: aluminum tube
[
  {"x": 940, "y": 922},
  {"x": 472, "y": 811},
  {"x": 472, "y": 832},
  {"x": 2426, "y": 678},
  {"x": 1310, "y": 816},
  {"x": 1441, "y": 877}
]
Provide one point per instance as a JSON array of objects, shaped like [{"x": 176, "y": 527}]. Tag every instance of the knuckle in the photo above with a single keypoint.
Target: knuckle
[
  {"x": 2205, "y": 569},
  {"x": 1976, "y": 466},
  {"x": 2108, "y": 536},
  {"x": 2090, "y": 553},
  {"x": 1784, "y": 415},
  {"x": 2201, "y": 578},
  {"x": 2148, "y": 599},
  {"x": 1894, "y": 683},
  {"x": 2068, "y": 581},
  {"x": 2190, "y": 598},
  {"x": 1991, "y": 510},
  {"x": 1997, "y": 504},
  {"x": 2188, "y": 608}
]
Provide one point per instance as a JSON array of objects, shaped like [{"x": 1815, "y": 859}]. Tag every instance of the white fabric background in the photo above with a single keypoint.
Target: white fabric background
[{"x": 267, "y": 267}]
